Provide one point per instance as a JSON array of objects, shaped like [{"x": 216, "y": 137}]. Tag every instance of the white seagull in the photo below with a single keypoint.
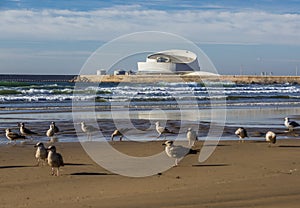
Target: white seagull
[
  {"x": 270, "y": 137},
  {"x": 55, "y": 128},
  {"x": 241, "y": 133},
  {"x": 177, "y": 151},
  {"x": 191, "y": 136},
  {"x": 55, "y": 160},
  {"x": 25, "y": 131},
  {"x": 12, "y": 136},
  {"x": 88, "y": 129},
  {"x": 162, "y": 130},
  {"x": 116, "y": 133},
  {"x": 51, "y": 132},
  {"x": 290, "y": 124},
  {"x": 41, "y": 152}
]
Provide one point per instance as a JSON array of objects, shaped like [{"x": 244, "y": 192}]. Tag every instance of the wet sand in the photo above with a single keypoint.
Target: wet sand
[{"x": 249, "y": 174}]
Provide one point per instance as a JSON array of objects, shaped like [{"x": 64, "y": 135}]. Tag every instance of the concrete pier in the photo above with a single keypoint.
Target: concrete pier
[{"x": 238, "y": 79}]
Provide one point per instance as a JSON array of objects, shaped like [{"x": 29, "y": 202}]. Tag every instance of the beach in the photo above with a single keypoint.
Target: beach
[{"x": 249, "y": 174}]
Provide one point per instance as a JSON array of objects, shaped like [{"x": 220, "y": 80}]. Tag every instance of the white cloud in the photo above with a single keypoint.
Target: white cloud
[{"x": 106, "y": 24}]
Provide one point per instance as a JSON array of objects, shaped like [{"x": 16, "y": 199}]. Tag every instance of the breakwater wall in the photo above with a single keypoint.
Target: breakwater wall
[
  {"x": 37, "y": 78},
  {"x": 238, "y": 79}
]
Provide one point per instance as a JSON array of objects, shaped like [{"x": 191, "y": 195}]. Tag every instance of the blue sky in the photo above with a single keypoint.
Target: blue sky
[{"x": 57, "y": 37}]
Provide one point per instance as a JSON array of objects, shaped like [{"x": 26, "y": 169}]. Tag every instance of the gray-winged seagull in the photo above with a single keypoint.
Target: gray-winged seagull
[
  {"x": 162, "y": 130},
  {"x": 290, "y": 124},
  {"x": 55, "y": 128},
  {"x": 177, "y": 151},
  {"x": 41, "y": 152},
  {"x": 12, "y": 136},
  {"x": 25, "y": 131},
  {"x": 241, "y": 133},
  {"x": 270, "y": 137},
  {"x": 55, "y": 160},
  {"x": 88, "y": 129},
  {"x": 191, "y": 135}
]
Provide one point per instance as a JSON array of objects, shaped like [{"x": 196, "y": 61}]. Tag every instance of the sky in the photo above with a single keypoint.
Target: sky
[{"x": 239, "y": 37}]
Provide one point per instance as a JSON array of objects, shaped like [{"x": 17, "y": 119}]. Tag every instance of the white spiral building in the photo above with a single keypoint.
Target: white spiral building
[{"x": 170, "y": 61}]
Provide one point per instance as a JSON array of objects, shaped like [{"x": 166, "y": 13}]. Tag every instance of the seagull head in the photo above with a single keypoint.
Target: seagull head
[
  {"x": 286, "y": 119},
  {"x": 157, "y": 123},
  {"x": 53, "y": 123},
  {"x": 168, "y": 143},
  {"x": 39, "y": 144},
  {"x": 7, "y": 130},
  {"x": 52, "y": 149},
  {"x": 189, "y": 129}
]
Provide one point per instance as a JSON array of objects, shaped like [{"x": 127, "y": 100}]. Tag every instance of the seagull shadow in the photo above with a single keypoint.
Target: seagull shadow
[
  {"x": 289, "y": 146},
  {"x": 211, "y": 165},
  {"x": 218, "y": 145},
  {"x": 91, "y": 174},
  {"x": 75, "y": 164},
  {"x": 15, "y": 166}
]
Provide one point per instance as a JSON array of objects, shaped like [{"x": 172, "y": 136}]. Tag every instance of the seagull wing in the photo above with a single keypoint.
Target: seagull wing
[{"x": 179, "y": 151}]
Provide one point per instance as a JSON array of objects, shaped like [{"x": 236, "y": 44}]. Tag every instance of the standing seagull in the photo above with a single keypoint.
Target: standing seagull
[
  {"x": 177, "y": 151},
  {"x": 191, "y": 136},
  {"x": 162, "y": 130},
  {"x": 12, "y": 136},
  {"x": 25, "y": 131},
  {"x": 116, "y": 133},
  {"x": 88, "y": 129},
  {"x": 55, "y": 160},
  {"x": 271, "y": 137},
  {"x": 290, "y": 124},
  {"x": 51, "y": 131},
  {"x": 41, "y": 152},
  {"x": 55, "y": 128},
  {"x": 241, "y": 133}
]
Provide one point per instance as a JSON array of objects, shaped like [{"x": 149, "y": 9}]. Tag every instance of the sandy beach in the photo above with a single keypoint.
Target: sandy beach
[{"x": 249, "y": 174}]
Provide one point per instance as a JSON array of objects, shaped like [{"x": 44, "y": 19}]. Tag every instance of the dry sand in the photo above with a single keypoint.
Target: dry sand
[{"x": 249, "y": 174}]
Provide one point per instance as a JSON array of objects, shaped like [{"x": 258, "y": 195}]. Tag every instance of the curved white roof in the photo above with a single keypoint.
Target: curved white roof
[{"x": 174, "y": 56}]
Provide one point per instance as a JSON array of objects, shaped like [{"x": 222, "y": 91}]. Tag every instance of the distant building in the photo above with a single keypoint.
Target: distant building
[
  {"x": 101, "y": 72},
  {"x": 119, "y": 72},
  {"x": 170, "y": 61}
]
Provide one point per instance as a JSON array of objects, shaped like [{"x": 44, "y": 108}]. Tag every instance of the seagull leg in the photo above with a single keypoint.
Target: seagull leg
[
  {"x": 52, "y": 171},
  {"x": 38, "y": 163},
  {"x": 176, "y": 162},
  {"x": 121, "y": 138},
  {"x": 57, "y": 172}
]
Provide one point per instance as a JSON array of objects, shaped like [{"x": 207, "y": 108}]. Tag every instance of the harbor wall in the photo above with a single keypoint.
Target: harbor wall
[{"x": 238, "y": 79}]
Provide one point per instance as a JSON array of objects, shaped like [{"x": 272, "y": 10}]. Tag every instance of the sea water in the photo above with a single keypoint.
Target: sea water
[{"x": 250, "y": 105}]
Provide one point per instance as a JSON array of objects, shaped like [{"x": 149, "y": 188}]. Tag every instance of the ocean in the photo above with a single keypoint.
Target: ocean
[{"x": 127, "y": 105}]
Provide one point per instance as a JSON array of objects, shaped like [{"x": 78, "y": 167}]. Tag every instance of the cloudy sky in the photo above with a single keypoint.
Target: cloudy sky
[{"x": 57, "y": 37}]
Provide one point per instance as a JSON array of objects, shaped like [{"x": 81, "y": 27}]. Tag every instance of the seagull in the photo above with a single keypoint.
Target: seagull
[
  {"x": 12, "y": 136},
  {"x": 162, "y": 130},
  {"x": 191, "y": 136},
  {"x": 51, "y": 131},
  {"x": 25, "y": 131},
  {"x": 290, "y": 124},
  {"x": 271, "y": 137},
  {"x": 116, "y": 133},
  {"x": 88, "y": 129},
  {"x": 241, "y": 133},
  {"x": 55, "y": 160},
  {"x": 41, "y": 152},
  {"x": 177, "y": 151},
  {"x": 55, "y": 128}
]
